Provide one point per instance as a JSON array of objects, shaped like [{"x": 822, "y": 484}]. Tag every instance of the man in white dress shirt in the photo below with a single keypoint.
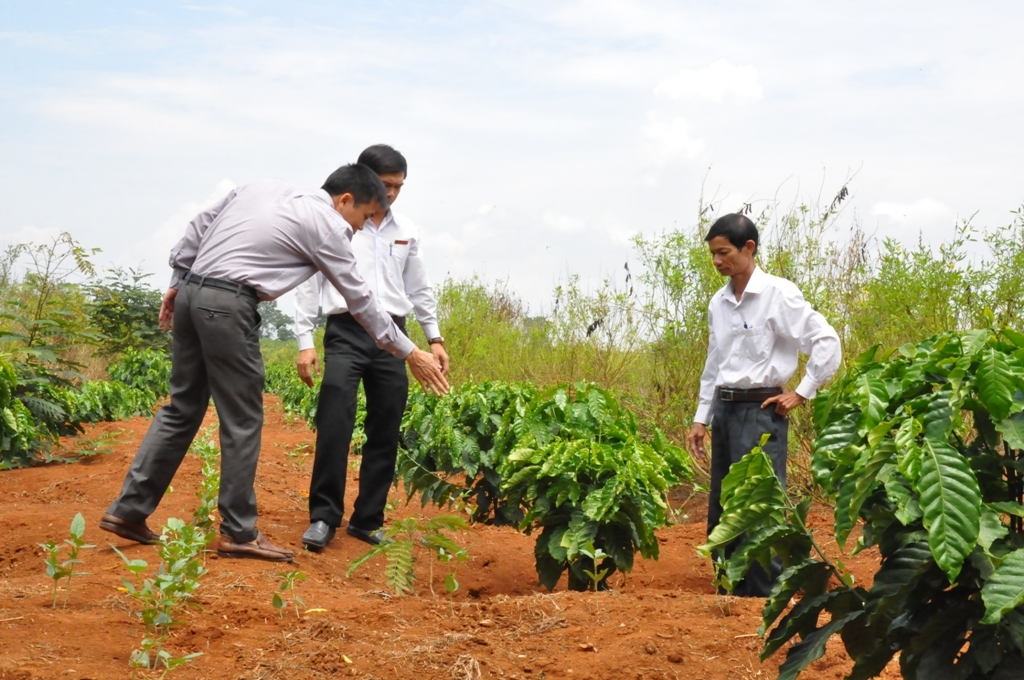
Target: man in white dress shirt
[
  {"x": 759, "y": 324},
  {"x": 388, "y": 256}
]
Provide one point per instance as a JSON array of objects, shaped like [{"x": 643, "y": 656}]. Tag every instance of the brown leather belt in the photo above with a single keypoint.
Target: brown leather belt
[{"x": 756, "y": 394}]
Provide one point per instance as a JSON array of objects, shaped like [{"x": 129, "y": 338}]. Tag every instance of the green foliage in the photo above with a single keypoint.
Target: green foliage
[
  {"x": 463, "y": 434},
  {"x": 58, "y": 569},
  {"x": 204, "y": 448},
  {"x": 288, "y": 579},
  {"x": 570, "y": 463},
  {"x": 275, "y": 324},
  {"x": 404, "y": 538},
  {"x": 923, "y": 447},
  {"x": 160, "y": 598},
  {"x": 148, "y": 370},
  {"x": 126, "y": 312}
]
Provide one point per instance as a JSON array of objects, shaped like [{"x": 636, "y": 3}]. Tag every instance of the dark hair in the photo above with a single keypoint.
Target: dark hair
[
  {"x": 383, "y": 159},
  {"x": 360, "y": 181},
  {"x": 737, "y": 228}
]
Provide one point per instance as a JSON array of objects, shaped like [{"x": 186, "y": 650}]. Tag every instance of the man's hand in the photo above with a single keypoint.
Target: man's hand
[
  {"x": 167, "y": 309},
  {"x": 696, "y": 438},
  {"x": 425, "y": 369},
  {"x": 308, "y": 365},
  {"x": 784, "y": 403},
  {"x": 440, "y": 356}
]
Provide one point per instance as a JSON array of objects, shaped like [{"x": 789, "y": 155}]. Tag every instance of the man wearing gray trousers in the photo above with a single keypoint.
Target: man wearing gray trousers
[
  {"x": 259, "y": 242},
  {"x": 759, "y": 324}
]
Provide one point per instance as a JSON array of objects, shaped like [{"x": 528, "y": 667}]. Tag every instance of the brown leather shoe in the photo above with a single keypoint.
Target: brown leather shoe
[
  {"x": 139, "y": 533},
  {"x": 260, "y": 549}
]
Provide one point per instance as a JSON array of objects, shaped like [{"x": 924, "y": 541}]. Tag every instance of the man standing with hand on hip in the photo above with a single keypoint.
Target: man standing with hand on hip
[
  {"x": 759, "y": 324},
  {"x": 388, "y": 256},
  {"x": 259, "y": 242}
]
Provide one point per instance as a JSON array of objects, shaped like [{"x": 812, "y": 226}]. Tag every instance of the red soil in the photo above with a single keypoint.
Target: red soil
[{"x": 663, "y": 621}]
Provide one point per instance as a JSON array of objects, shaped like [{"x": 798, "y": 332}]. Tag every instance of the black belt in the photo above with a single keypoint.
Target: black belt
[
  {"x": 751, "y": 395},
  {"x": 348, "y": 318},
  {"x": 221, "y": 284}
]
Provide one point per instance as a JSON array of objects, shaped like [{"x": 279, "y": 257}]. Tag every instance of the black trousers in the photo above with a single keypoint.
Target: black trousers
[
  {"x": 737, "y": 428},
  {"x": 350, "y": 355},
  {"x": 216, "y": 351}
]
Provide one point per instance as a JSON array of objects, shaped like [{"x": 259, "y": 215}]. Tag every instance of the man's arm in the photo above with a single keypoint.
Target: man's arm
[
  {"x": 307, "y": 304},
  {"x": 334, "y": 258},
  {"x": 797, "y": 320},
  {"x": 184, "y": 252},
  {"x": 424, "y": 304}
]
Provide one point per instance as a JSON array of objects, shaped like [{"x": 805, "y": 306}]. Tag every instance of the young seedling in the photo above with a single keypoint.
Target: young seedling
[
  {"x": 298, "y": 455},
  {"x": 57, "y": 569},
  {"x": 594, "y": 554},
  {"x": 288, "y": 579},
  {"x": 159, "y": 598},
  {"x": 206, "y": 450},
  {"x": 404, "y": 539}
]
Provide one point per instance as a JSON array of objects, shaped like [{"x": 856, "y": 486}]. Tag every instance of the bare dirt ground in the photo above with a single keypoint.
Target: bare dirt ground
[{"x": 663, "y": 621}]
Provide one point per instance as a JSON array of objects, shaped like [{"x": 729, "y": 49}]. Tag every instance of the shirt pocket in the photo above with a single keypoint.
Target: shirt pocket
[
  {"x": 756, "y": 343},
  {"x": 398, "y": 253}
]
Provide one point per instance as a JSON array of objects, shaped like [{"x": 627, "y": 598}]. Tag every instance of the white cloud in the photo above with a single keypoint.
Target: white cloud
[
  {"x": 152, "y": 251},
  {"x": 30, "y": 234},
  {"x": 671, "y": 139},
  {"x": 562, "y": 223},
  {"x": 718, "y": 83},
  {"x": 925, "y": 215}
]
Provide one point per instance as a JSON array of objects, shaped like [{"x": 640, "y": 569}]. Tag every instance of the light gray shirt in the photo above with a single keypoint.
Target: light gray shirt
[{"x": 271, "y": 235}]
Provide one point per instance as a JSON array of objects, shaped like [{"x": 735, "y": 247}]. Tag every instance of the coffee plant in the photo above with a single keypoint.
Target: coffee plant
[
  {"x": 570, "y": 463},
  {"x": 463, "y": 434},
  {"x": 925, "y": 449}
]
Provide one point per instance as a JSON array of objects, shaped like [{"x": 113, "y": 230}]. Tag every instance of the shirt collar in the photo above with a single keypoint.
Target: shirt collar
[
  {"x": 755, "y": 286},
  {"x": 388, "y": 217}
]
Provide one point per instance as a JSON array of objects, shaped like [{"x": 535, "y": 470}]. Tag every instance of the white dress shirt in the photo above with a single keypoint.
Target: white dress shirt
[
  {"x": 388, "y": 258},
  {"x": 755, "y": 342},
  {"x": 271, "y": 235}
]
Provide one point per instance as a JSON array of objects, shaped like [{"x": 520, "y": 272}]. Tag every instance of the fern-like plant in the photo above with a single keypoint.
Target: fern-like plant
[{"x": 407, "y": 537}]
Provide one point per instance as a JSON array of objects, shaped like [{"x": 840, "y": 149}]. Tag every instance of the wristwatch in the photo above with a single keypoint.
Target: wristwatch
[{"x": 437, "y": 341}]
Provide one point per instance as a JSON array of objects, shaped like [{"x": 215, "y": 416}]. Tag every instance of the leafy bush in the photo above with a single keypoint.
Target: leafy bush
[
  {"x": 584, "y": 475},
  {"x": 462, "y": 434},
  {"x": 570, "y": 463},
  {"x": 143, "y": 369},
  {"x": 926, "y": 448},
  {"x": 126, "y": 312}
]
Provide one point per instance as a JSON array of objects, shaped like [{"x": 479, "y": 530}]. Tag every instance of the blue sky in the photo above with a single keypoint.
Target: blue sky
[{"x": 540, "y": 135}]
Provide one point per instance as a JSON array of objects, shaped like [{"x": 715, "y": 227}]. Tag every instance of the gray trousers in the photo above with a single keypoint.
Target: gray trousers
[
  {"x": 216, "y": 352},
  {"x": 737, "y": 428}
]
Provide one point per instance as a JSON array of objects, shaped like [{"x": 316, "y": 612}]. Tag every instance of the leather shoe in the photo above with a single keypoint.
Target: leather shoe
[
  {"x": 372, "y": 537},
  {"x": 317, "y": 536},
  {"x": 139, "y": 533},
  {"x": 260, "y": 549}
]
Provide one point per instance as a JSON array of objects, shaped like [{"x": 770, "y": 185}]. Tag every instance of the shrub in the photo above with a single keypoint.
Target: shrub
[
  {"x": 925, "y": 448},
  {"x": 570, "y": 463}
]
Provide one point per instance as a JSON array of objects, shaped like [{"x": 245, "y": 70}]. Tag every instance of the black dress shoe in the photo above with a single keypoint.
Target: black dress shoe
[
  {"x": 372, "y": 537},
  {"x": 317, "y": 536}
]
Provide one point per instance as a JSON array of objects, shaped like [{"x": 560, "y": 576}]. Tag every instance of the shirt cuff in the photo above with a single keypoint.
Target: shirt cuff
[
  {"x": 431, "y": 330},
  {"x": 404, "y": 347},
  {"x": 807, "y": 389},
  {"x": 305, "y": 341},
  {"x": 703, "y": 414},
  {"x": 176, "y": 276}
]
